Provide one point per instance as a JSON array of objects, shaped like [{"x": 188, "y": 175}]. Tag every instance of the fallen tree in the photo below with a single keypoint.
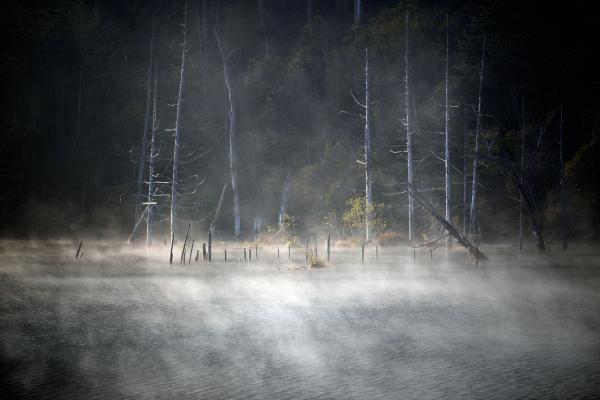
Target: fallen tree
[{"x": 423, "y": 202}]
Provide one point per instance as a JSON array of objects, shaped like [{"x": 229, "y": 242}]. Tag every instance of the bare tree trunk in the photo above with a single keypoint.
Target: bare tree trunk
[
  {"x": 465, "y": 185},
  {"x": 174, "y": 183},
  {"x": 423, "y": 202},
  {"x": 409, "y": 149},
  {"x": 284, "y": 200},
  {"x": 368, "y": 192},
  {"x": 232, "y": 131},
  {"x": 447, "y": 145},
  {"x": 141, "y": 163},
  {"x": 474, "y": 223},
  {"x": 150, "y": 199},
  {"x": 563, "y": 189},
  {"x": 522, "y": 166}
]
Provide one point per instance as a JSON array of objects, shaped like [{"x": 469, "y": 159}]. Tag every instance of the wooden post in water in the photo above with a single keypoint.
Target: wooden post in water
[
  {"x": 256, "y": 251},
  {"x": 245, "y": 259},
  {"x": 431, "y": 254},
  {"x": 191, "y": 251},
  {"x": 197, "y": 255},
  {"x": 249, "y": 255},
  {"x": 278, "y": 259},
  {"x": 78, "y": 249},
  {"x": 362, "y": 254},
  {"x": 306, "y": 249},
  {"x": 225, "y": 255},
  {"x": 183, "y": 252},
  {"x": 377, "y": 254},
  {"x": 289, "y": 252},
  {"x": 209, "y": 246},
  {"x": 203, "y": 251},
  {"x": 171, "y": 256},
  {"x": 414, "y": 254},
  {"x": 328, "y": 245},
  {"x": 316, "y": 251}
]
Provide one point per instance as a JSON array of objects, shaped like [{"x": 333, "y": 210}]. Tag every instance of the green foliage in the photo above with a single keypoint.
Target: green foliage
[{"x": 354, "y": 216}]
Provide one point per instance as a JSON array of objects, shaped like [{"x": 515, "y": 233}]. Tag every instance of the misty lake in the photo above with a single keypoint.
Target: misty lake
[{"x": 128, "y": 325}]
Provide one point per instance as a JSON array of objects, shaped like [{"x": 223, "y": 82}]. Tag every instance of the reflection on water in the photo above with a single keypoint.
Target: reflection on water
[{"x": 125, "y": 327}]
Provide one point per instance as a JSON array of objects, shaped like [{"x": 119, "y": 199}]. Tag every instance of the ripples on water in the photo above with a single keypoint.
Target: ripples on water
[{"x": 98, "y": 328}]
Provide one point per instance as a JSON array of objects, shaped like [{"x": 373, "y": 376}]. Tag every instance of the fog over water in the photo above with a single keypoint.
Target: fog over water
[{"x": 125, "y": 324}]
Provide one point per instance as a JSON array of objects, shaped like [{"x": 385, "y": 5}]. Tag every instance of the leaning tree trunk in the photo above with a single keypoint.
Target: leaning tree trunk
[
  {"x": 409, "y": 149},
  {"x": 474, "y": 223},
  {"x": 563, "y": 189},
  {"x": 232, "y": 130},
  {"x": 461, "y": 239},
  {"x": 174, "y": 183},
  {"x": 447, "y": 145},
  {"x": 520, "y": 179},
  {"x": 368, "y": 192},
  {"x": 141, "y": 163},
  {"x": 284, "y": 200},
  {"x": 150, "y": 199}
]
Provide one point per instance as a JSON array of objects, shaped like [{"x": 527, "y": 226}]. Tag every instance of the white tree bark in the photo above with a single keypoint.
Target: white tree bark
[
  {"x": 150, "y": 198},
  {"x": 141, "y": 163},
  {"x": 474, "y": 223},
  {"x": 447, "y": 146},
  {"x": 409, "y": 148},
  {"x": 232, "y": 132},
  {"x": 368, "y": 192},
  {"x": 175, "y": 180}
]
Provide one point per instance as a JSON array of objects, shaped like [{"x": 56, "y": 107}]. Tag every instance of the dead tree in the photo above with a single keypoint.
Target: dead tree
[
  {"x": 465, "y": 184},
  {"x": 447, "y": 144},
  {"x": 367, "y": 157},
  {"x": 232, "y": 131},
  {"x": 177, "y": 135},
  {"x": 474, "y": 222},
  {"x": 141, "y": 163},
  {"x": 150, "y": 199},
  {"x": 423, "y": 202},
  {"x": 520, "y": 179},
  {"x": 409, "y": 149}
]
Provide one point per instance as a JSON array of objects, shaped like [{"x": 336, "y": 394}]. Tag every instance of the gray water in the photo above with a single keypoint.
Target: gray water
[{"x": 127, "y": 325}]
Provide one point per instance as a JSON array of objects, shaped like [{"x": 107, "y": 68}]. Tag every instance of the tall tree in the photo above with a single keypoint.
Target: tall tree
[
  {"x": 176, "y": 144},
  {"x": 150, "y": 198},
  {"x": 447, "y": 143},
  {"x": 409, "y": 133},
  {"x": 474, "y": 223},
  {"x": 141, "y": 162},
  {"x": 368, "y": 193},
  {"x": 232, "y": 131},
  {"x": 465, "y": 180}
]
